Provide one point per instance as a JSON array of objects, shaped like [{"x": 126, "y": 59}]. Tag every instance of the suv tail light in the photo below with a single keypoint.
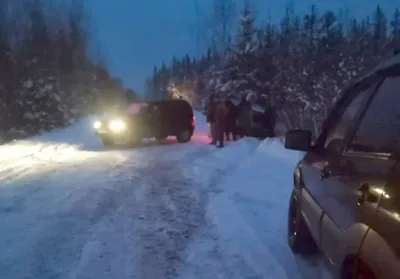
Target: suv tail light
[{"x": 193, "y": 120}]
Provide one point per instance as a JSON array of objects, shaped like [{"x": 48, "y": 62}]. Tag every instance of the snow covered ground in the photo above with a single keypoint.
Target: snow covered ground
[{"x": 71, "y": 209}]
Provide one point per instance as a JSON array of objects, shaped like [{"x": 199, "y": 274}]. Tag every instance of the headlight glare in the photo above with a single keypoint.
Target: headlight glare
[
  {"x": 117, "y": 125},
  {"x": 97, "y": 125}
]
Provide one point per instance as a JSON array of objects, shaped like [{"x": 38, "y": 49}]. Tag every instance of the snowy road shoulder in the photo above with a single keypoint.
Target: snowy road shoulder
[
  {"x": 248, "y": 214},
  {"x": 246, "y": 211}
]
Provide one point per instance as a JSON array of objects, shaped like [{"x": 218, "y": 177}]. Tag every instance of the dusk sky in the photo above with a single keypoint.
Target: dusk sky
[{"x": 136, "y": 35}]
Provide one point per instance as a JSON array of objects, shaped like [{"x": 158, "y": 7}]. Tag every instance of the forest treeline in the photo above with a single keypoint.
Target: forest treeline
[
  {"x": 298, "y": 66},
  {"x": 48, "y": 75}
]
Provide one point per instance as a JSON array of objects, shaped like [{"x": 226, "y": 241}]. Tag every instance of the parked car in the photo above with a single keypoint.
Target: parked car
[
  {"x": 263, "y": 120},
  {"x": 158, "y": 119},
  {"x": 346, "y": 197}
]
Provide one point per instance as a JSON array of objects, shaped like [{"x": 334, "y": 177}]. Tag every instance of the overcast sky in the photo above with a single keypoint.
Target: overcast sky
[{"x": 136, "y": 35}]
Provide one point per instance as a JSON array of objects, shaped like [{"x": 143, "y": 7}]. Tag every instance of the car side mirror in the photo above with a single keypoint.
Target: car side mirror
[{"x": 298, "y": 140}]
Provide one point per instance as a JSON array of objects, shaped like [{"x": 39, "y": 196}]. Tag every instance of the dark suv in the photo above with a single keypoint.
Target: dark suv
[
  {"x": 346, "y": 197},
  {"x": 158, "y": 119}
]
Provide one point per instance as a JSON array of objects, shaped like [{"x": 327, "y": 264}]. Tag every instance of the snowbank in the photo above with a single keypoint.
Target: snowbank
[
  {"x": 80, "y": 134},
  {"x": 61, "y": 145},
  {"x": 249, "y": 210},
  {"x": 43, "y": 152}
]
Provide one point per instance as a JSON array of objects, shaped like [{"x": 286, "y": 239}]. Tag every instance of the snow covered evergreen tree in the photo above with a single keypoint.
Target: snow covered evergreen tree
[
  {"x": 234, "y": 76},
  {"x": 243, "y": 55}
]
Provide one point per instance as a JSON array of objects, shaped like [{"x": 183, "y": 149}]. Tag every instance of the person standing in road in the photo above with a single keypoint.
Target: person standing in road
[
  {"x": 211, "y": 120},
  {"x": 230, "y": 120},
  {"x": 220, "y": 121}
]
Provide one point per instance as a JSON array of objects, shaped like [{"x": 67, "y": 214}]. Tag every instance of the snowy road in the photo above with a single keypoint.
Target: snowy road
[{"x": 70, "y": 209}]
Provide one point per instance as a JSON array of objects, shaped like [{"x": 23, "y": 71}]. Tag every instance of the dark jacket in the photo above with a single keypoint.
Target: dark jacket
[
  {"x": 221, "y": 115},
  {"x": 245, "y": 118},
  {"x": 231, "y": 113},
  {"x": 211, "y": 113}
]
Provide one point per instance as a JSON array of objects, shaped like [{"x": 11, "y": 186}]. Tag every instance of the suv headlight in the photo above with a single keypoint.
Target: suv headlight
[
  {"x": 117, "y": 125},
  {"x": 97, "y": 125}
]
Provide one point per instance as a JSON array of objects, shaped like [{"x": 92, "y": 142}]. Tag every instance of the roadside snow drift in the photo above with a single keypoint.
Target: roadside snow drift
[{"x": 248, "y": 216}]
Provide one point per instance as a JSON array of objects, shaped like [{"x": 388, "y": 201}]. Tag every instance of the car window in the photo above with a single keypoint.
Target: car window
[
  {"x": 336, "y": 135},
  {"x": 379, "y": 129},
  {"x": 143, "y": 109}
]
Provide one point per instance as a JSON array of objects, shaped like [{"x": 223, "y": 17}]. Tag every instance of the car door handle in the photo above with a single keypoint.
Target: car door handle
[{"x": 366, "y": 195}]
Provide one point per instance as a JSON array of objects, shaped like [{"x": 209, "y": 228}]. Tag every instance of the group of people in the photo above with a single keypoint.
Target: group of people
[{"x": 228, "y": 121}]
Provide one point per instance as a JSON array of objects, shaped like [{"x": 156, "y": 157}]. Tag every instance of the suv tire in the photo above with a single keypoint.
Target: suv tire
[
  {"x": 107, "y": 142},
  {"x": 184, "y": 136},
  {"x": 353, "y": 267}
]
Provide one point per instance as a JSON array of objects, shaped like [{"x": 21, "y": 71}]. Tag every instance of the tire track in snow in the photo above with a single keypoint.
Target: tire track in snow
[
  {"x": 63, "y": 224},
  {"x": 171, "y": 215},
  {"x": 177, "y": 203},
  {"x": 60, "y": 216},
  {"x": 156, "y": 222},
  {"x": 175, "y": 212}
]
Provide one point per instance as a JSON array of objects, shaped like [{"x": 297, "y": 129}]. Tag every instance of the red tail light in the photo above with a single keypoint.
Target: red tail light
[{"x": 193, "y": 121}]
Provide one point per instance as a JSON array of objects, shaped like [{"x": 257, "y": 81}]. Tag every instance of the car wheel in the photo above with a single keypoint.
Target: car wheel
[
  {"x": 134, "y": 141},
  {"x": 107, "y": 142},
  {"x": 184, "y": 136},
  {"x": 355, "y": 268},
  {"x": 299, "y": 237}
]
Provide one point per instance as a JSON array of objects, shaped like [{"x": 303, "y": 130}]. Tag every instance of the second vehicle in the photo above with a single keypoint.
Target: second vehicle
[{"x": 158, "y": 119}]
